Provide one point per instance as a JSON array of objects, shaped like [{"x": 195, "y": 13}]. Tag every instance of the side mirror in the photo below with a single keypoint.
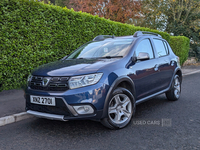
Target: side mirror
[{"x": 143, "y": 56}]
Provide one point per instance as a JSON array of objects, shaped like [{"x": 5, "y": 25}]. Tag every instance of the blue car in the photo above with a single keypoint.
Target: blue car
[{"x": 104, "y": 80}]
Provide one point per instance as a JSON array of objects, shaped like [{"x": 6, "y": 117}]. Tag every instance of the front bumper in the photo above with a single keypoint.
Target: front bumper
[
  {"x": 92, "y": 95},
  {"x": 46, "y": 115},
  {"x": 62, "y": 117}
]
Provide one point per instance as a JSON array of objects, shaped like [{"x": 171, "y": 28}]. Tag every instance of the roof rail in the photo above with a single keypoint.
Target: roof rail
[
  {"x": 139, "y": 33},
  {"x": 102, "y": 37}
]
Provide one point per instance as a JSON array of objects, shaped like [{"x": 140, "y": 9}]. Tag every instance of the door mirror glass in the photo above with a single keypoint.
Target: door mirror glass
[{"x": 143, "y": 56}]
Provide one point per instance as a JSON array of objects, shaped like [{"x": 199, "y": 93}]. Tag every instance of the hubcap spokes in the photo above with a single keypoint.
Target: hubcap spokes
[
  {"x": 177, "y": 88},
  {"x": 120, "y": 108}
]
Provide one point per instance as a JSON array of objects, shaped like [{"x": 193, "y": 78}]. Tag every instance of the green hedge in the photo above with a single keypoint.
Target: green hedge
[
  {"x": 33, "y": 33},
  {"x": 180, "y": 46}
]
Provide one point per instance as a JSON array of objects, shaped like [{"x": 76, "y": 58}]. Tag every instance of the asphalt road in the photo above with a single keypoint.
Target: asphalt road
[
  {"x": 157, "y": 125},
  {"x": 11, "y": 102}
]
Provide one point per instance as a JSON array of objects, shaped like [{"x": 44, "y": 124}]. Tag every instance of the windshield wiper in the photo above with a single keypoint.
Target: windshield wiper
[{"x": 108, "y": 57}]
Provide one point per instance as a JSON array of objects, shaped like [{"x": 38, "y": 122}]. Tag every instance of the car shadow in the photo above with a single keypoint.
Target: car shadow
[{"x": 151, "y": 105}]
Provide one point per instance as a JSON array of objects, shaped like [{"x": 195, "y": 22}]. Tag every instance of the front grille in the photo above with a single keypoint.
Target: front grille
[
  {"x": 52, "y": 83},
  {"x": 59, "y": 109}
]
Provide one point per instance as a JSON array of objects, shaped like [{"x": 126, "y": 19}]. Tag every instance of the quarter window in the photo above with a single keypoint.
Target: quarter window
[
  {"x": 145, "y": 46},
  {"x": 160, "y": 47},
  {"x": 166, "y": 47}
]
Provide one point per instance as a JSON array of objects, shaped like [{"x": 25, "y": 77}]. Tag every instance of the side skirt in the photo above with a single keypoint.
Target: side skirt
[{"x": 150, "y": 96}]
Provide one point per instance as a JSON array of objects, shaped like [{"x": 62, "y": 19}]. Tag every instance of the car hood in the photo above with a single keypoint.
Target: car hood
[{"x": 71, "y": 67}]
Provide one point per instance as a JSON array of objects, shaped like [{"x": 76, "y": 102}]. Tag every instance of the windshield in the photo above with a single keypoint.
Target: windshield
[{"x": 108, "y": 48}]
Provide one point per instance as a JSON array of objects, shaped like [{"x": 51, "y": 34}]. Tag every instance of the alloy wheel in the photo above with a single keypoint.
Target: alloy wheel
[
  {"x": 177, "y": 88},
  {"x": 120, "y": 108}
]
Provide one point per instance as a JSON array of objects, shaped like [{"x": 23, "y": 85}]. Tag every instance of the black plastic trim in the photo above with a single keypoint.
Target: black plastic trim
[{"x": 113, "y": 87}]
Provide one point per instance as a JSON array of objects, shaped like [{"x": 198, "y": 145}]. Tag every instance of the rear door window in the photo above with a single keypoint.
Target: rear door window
[{"x": 161, "y": 47}]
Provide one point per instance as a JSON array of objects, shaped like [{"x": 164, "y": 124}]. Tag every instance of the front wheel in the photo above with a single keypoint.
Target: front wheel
[
  {"x": 174, "y": 93},
  {"x": 121, "y": 108}
]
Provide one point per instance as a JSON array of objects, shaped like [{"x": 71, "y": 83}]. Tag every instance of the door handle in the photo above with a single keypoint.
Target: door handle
[
  {"x": 156, "y": 68},
  {"x": 172, "y": 63}
]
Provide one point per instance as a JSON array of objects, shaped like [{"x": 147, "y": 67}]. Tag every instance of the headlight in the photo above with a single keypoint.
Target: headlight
[
  {"x": 29, "y": 79},
  {"x": 85, "y": 80}
]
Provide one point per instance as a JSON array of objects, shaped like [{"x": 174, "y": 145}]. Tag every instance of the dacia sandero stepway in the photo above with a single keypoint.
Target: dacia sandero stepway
[{"x": 105, "y": 79}]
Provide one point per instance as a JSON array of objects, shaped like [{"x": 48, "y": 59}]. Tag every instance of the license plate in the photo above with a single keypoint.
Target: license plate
[{"x": 43, "y": 100}]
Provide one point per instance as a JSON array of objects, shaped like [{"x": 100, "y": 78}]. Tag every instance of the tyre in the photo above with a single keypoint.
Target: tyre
[
  {"x": 121, "y": 108},
  {"x": 174, "y": 93}
]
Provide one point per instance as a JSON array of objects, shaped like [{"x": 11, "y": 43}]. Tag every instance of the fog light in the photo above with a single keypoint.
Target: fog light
[{"x": 84, "y": 109}]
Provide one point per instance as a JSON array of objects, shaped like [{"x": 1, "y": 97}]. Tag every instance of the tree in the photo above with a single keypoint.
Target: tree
[
  {"x": 47, "y": 1},
  {"x": 116, "y": 10},
  {"x": 180, "y": 17},
  {"x": 61, "y": 3}
]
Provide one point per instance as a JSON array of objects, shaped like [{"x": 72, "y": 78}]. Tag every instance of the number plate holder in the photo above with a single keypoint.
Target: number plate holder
[{"x": 43, "y": 100}]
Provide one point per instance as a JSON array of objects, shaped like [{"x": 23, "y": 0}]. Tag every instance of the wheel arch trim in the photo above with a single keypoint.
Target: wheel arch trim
[
  {"x": 175, "y": 72},
  {"x": 113, "y": 87}
]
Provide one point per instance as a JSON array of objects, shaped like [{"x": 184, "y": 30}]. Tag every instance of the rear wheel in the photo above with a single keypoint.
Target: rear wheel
[
  {"x": 121, "y": 108},
  {"x": 174, "y": 93}
]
